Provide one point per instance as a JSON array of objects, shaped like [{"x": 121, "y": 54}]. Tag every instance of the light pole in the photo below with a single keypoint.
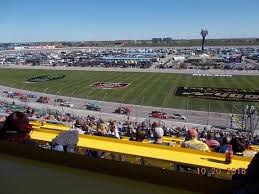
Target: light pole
[{"x": 204, "y": 33}]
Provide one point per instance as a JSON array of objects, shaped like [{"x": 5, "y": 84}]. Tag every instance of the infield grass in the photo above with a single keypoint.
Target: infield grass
[{"x": 154, "y": 89}]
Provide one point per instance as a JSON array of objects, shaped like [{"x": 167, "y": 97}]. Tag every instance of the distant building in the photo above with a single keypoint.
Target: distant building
[
  {"x": 205, "y": 59},
  {"x": 19, "y": 48},
  {"x": 167, "y": 41},
  {"x": 157, "y": 40}
]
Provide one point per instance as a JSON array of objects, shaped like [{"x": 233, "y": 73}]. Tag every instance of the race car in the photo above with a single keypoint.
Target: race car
[
  {"x": 66, "y": 104},
  {"x": 178, "y": 116},
  {"x": 23, "y": 98},
  {"x": 60, "y": 100},
  {"x": 124, "y": 110},
  {"x": 31, "y": 96},
  {"x": 92, "y": 106},
  {"x": 10, "y": 95},
  {"x": 43, "y": 99},
  {"x": 163, "y": 115},
  {"x": 159, "y": 115},
  {"x": 17, "y": 94}
]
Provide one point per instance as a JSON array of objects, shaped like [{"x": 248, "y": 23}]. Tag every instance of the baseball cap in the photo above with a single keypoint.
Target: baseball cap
[
  {"x": 155, "y": 124},
  {"x": 158, "y": 132},
  {"x": 192, "y": 132}
]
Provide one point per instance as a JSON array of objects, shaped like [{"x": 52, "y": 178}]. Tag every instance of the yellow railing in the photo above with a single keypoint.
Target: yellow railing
[{"x": 152, "y": 153}]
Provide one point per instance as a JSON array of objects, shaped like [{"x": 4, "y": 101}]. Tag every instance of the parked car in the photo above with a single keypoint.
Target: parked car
[{"x": 92, "y": 106}]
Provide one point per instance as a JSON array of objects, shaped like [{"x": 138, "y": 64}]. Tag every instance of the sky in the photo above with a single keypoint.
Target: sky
[{"x": 84, "y": 20}]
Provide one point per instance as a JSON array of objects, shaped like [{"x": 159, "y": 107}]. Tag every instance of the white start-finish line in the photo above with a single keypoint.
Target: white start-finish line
[{"x": 212, "y": 75}]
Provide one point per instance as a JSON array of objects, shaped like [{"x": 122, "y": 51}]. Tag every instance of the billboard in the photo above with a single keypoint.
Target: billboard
[
  {"x": 110, "y": 85},
  {"x": 218, "y": 93}
]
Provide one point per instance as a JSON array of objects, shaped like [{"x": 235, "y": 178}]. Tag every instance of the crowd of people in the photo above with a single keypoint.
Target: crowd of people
[
  {"x": 204, "y": 140},
  {"x": 16, "y": 128}
]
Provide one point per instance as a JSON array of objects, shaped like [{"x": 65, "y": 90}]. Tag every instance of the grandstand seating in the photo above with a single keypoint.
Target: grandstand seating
[{"x": 168, "y": 154}]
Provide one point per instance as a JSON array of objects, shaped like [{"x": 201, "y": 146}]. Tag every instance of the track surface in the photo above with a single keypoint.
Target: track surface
[{"x": 142, "y": 112}]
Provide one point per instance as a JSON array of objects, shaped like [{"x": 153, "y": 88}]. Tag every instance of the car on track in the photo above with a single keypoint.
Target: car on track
[
  {"x": 92, "y": 106},
  {"x": 60, "y": 100},
  {"x": 18, "y": 94},
  {"x": 31, "y": 96},
  {"x": 43, "y": 99},
  {"x": 159, "y": 115},
  {"x": 67, "y": 104},
  {"x": 10, "y": 95},
  {"x": 123, "y": 110},
  {"x": 163, "y": 115},
  {"x": 178, "y": 116},
  {"x": 23, "y": 98}
]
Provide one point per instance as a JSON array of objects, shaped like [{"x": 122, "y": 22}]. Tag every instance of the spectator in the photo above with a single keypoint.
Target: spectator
[
  {"x": 249, "y": 181},
  {"x": 211, "y": 142},
  {"x": 158, "y": 135},
  {"x": 66, "y": 141},
  {"x": 225, "y": 143},
  {"x": 114, "y": 130},
  {"x": 194, "y": 143},
  {"x": 16, "y": 129},
  {"x": 102, "y": 129},
  {"x": 140, "y": 136},
  {"x": 238, "y": 146}
]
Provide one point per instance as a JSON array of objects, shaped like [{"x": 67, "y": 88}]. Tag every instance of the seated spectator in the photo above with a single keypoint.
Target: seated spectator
[
  {"x": 158, "y": 133},
  {"x": 238, "y": 146},
  {"x": 66, "y": 141},
  {"x": 225, "y": 143},
  {"x": 102, "y": 130},
  {"x": 2, "y": 120},
  {"x": 211, "y": 142},
  {"x": 140, "y": 136},
  {"x": 248, "y": 181},
  {"x": 114, "y": 130},
  {"x": 194, "y": 143},
  {"x": 16, "y": 129}
]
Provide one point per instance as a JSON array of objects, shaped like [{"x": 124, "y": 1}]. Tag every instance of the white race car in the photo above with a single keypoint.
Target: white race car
[
  {"x": 178, "y": 116},
  {"x": 67, "y": 104}
]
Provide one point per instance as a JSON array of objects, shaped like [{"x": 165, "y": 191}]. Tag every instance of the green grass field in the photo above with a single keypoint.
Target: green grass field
[{"x": 155, "y": 89}]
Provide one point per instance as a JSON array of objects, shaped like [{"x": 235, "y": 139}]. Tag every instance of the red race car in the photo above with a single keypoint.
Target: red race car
[
  {"x": 163, "y": 115},
  {"x": 17, "y": 94},
  {"x": 124, "y": 110},
  {"x": 160, "y": 115}
]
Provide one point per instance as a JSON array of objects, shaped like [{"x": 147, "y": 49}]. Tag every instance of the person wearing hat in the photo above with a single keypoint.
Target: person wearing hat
[
  {"x": 194, "y": 143},
  {"x": 211, "y": 142},
  {"x": 16, "y": 128},
  {"x": 225, "y": 144},
  {"x": 158, "y": 135}
]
